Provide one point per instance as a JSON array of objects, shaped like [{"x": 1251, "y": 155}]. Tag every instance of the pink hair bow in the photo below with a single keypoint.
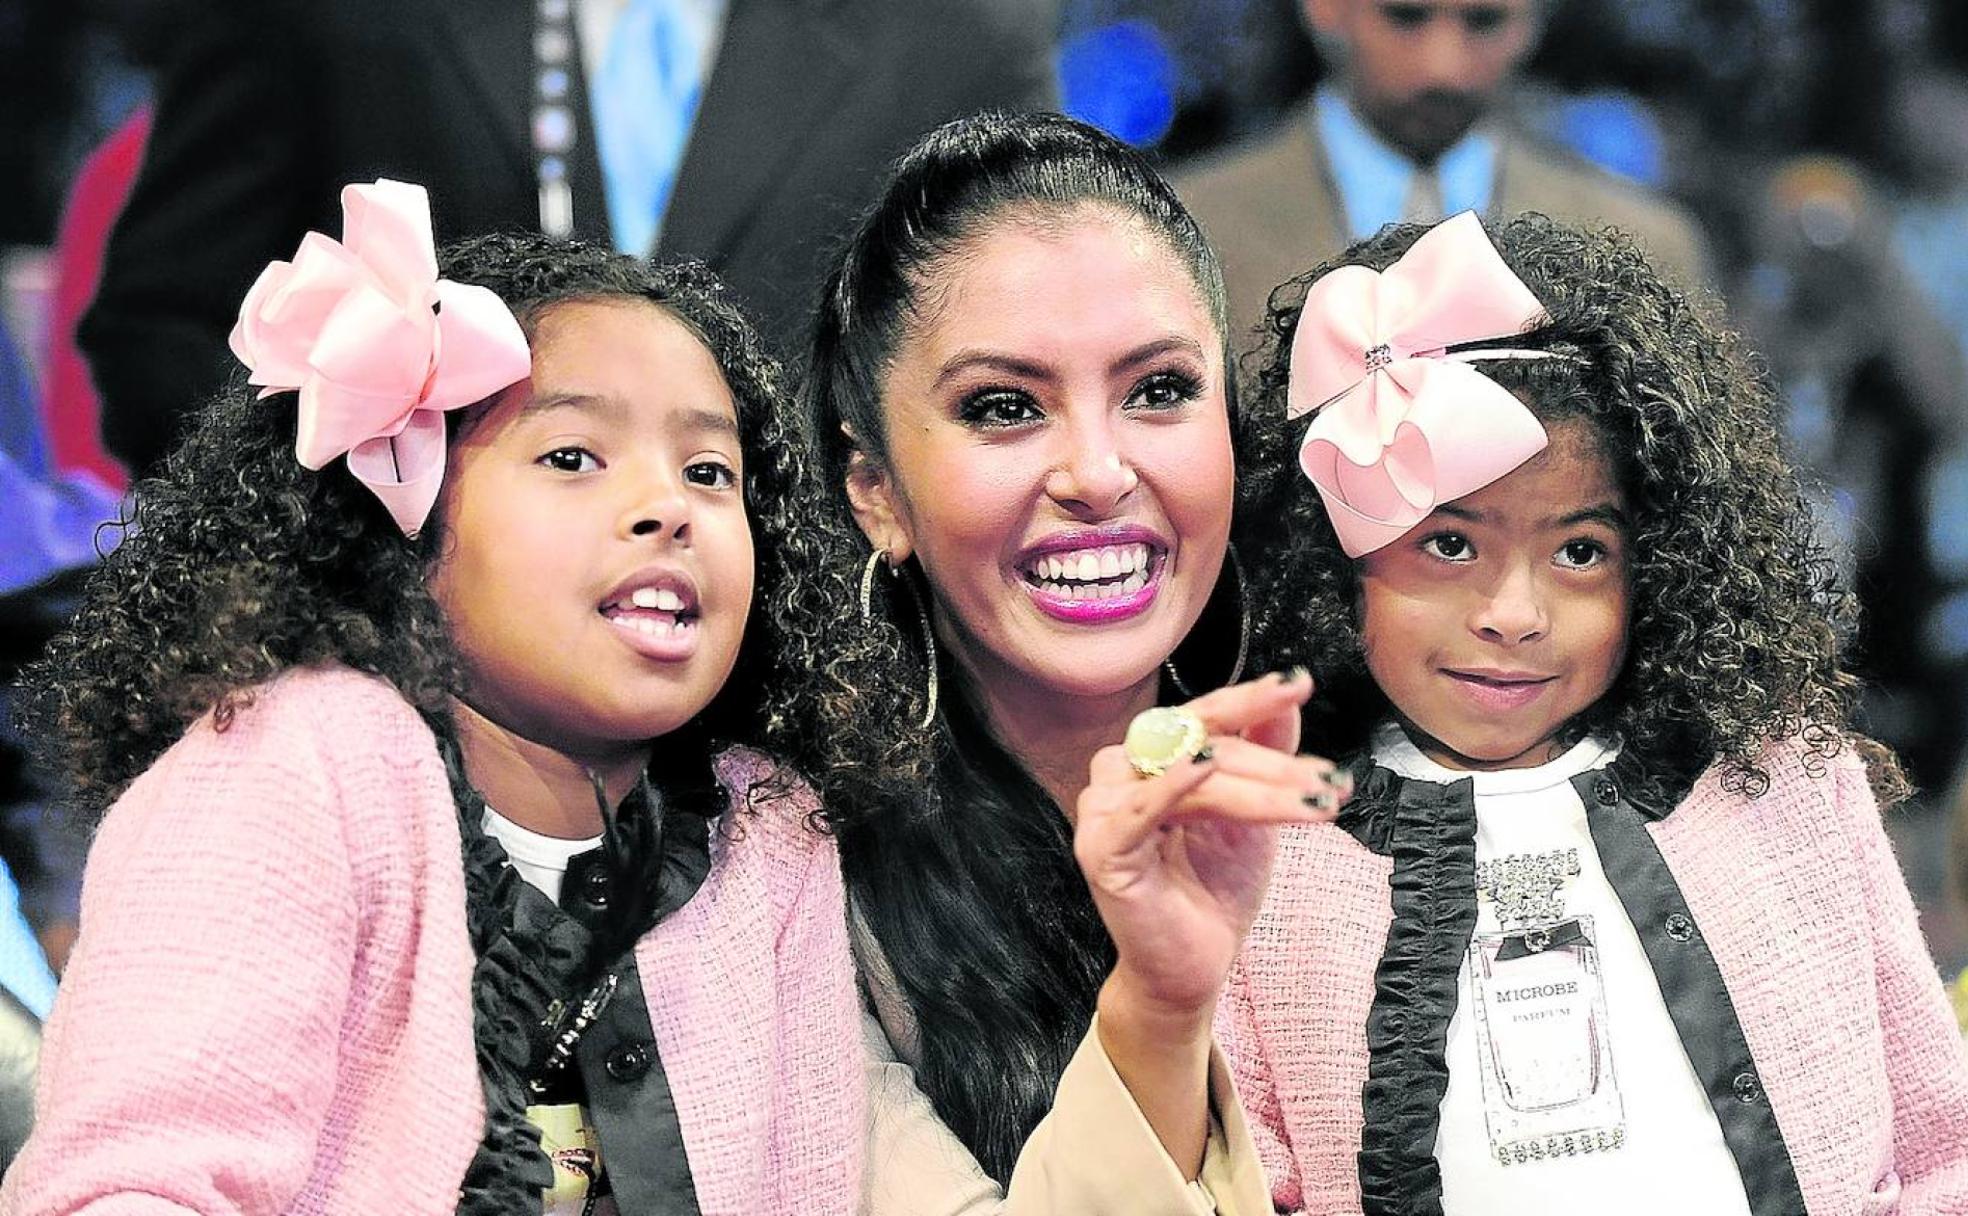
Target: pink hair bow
[
  {"x": 1402, "y": 424},
  {"x": 378, "y": 346}
]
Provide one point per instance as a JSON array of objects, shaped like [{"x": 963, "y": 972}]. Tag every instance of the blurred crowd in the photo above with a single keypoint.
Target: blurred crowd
[{"x": 1805, "y": 160}]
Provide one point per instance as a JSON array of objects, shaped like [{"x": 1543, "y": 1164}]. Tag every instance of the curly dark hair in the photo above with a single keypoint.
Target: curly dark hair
[
  {"x": 1737, "y": 617},
  {"x": 237, "y": 563},
  {"x": 958, "y": 860}
]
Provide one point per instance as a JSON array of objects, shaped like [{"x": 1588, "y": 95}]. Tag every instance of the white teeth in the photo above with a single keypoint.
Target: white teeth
[
  {"x": 662, "y": 599},
  {"x": 1063, "y": 574},
  {"x": 653, "y": 626}
]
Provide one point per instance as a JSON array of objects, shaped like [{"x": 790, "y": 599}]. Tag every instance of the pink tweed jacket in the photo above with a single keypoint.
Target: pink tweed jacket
[
  {"x": 269, "y": 1010},
  {"x": 1798, "y": 898}
]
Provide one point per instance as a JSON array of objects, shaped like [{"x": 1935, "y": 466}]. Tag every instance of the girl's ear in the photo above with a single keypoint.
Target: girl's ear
[{"x": 871, "y": 492}]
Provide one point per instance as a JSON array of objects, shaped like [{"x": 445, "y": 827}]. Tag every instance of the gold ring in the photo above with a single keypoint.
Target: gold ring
[{"x": 1159, "y": 737}]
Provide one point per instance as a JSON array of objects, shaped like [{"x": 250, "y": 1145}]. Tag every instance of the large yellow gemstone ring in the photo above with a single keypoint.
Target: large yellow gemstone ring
[{"x": 1158, "y": 738}]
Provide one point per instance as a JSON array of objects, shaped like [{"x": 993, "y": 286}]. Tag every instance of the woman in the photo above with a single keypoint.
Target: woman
[{"x": 1020, "y": 399}]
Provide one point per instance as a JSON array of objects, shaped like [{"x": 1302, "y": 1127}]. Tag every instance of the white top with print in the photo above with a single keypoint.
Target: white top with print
[{"x": 1569, "y": 1090}]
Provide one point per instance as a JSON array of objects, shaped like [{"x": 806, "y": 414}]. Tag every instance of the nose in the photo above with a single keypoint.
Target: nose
[
  {"x": 1446, "y": 55},
  {"x": 1512, "y": 611},
  {"x": 655, "y": 505},
  {"x": 1093, "y": 475}
]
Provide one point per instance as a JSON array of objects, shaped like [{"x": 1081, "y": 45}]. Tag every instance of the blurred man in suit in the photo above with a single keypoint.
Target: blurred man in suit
[
  {"x": 1411, "y": 124},
  {"x": 742, "y": 133}
]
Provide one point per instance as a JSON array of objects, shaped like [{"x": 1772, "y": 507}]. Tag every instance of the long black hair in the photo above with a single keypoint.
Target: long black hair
[
  {"x": 957, "y": 858},
  {"x": 1737, "y": 616}
]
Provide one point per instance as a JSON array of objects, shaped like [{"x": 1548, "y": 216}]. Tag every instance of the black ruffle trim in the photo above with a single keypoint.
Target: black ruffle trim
[
  {"x": 536, "y": 963},
  {"x": 1430, "y": 831},
  {"x": 530, "y": 960}
]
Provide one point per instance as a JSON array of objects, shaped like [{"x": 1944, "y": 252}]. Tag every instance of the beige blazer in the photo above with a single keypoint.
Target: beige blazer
[
  {"x": 1093, "y": 1155},
  {"x": 1272, "y": 211}
]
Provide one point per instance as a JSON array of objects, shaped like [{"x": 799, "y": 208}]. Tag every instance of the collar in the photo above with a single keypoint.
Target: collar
[
  {"x": 1373, "y": 178},
  {"x": 1380, "y": 792},
  {"x": 1392, "y": 747}
]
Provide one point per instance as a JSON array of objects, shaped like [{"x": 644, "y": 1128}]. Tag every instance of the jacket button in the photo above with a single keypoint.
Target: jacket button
[
  {"x": 1748, "y": 1089},
  {"x": 1679, "y": 927},
  {"x": 628, "y": 1062},
  {"x": 594, "y": 888},
  {"x": 1606, "y": 790}
]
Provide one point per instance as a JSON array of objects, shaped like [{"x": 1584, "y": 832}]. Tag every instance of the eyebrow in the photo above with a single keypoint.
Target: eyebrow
[
  {"x": 964, "y": 361},
  {"x": 1605, "y": 513},
  {"x": 689, "y": 418}
]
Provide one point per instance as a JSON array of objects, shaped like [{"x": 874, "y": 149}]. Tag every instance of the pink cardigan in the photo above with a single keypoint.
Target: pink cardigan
[
  {"x": 1804, "y": 909},
  {"x": 269, "y": 1009}
]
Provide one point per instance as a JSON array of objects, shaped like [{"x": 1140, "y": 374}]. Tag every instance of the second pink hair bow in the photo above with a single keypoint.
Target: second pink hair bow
[
  {"x": 1403, "y": 425},
  {"x": 378, "y": 346}
]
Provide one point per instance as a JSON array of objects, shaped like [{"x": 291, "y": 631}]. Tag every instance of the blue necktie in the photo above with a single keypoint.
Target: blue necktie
[{"x": 645, "y": 99}]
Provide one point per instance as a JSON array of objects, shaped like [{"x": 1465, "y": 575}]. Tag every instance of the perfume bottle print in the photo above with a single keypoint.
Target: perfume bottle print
[
  {"x": 1544, "y": 1054},
  {"x": 1546, "y": 1039}
]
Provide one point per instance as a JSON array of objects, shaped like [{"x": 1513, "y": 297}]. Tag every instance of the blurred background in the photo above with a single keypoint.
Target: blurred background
[{"x": 1817, "y": 149}]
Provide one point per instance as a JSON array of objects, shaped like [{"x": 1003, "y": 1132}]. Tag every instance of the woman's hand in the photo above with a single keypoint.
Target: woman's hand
[
  {"x": 1178, "y": 863},
  {"x": 1178, "y": 866}
]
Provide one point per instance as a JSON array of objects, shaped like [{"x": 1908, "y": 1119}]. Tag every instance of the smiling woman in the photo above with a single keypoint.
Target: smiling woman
[
  {"x": 1020, "y": 395},
  {"x": 1056, "y": 428}
]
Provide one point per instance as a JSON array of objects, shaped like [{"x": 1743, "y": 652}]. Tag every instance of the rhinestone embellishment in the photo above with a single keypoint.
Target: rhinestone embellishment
[{"x": 1528, "y": 889}]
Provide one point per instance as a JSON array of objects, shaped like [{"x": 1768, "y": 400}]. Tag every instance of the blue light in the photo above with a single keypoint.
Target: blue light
[
  {"x": 1947, "y": 628},
  {"x": 1121, "y": 78},
  {"x": 1616, "y": 133}
]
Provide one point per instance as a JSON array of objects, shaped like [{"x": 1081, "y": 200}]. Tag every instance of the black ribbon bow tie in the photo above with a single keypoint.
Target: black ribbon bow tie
[{"x": 1538, "y": 940}]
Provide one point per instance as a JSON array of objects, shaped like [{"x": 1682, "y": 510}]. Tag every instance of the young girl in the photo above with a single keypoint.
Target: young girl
[
  {"x": 425, "y": 885},
  {"x": 1611, "y": 924}
]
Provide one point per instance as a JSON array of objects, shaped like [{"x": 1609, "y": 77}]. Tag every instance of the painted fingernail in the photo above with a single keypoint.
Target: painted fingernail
[
  {"x": 1343, "y": 782},
  {"x": 1203, "y": 756},
  {"x": 1296, "y": 674},
  {"x": 1321, "y": 801}
]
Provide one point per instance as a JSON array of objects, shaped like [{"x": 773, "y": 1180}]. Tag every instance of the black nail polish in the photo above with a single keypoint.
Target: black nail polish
[
  {"x": 1320, "y": 801},
  {"x": 1203, "y": 756}
]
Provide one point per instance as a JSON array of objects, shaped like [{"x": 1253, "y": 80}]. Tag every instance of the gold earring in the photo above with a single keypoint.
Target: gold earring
[
  {"x": 879, "y": 558},
  {"x": 1243, "y": 634}
]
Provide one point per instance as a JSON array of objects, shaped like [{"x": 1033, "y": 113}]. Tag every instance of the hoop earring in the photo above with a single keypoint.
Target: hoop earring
[
  {"x": 1243, "y": 634},
  {"x": 879, "y": 558}
]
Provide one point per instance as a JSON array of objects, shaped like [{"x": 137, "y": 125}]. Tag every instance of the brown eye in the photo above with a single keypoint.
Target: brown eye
[
  {"x": 1405, "y": 16},
  {"x": 570, "y": 460},
  {"x": 1165, "y": 390},
  {"x": 714, "y": 474},
  {"x": 1581, "y": 554},
  {"x": 999, "y": 407},
  {"x": 1449, "y": 546}
]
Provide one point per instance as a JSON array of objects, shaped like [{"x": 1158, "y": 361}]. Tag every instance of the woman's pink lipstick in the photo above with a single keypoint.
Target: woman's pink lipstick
[{"x": 1095, "y": 576}]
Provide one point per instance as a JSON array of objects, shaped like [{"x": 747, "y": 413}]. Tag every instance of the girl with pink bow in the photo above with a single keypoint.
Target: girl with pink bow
[
  {"x": 1611, "y": 924},
  {"x": 427, "y": 876}
]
